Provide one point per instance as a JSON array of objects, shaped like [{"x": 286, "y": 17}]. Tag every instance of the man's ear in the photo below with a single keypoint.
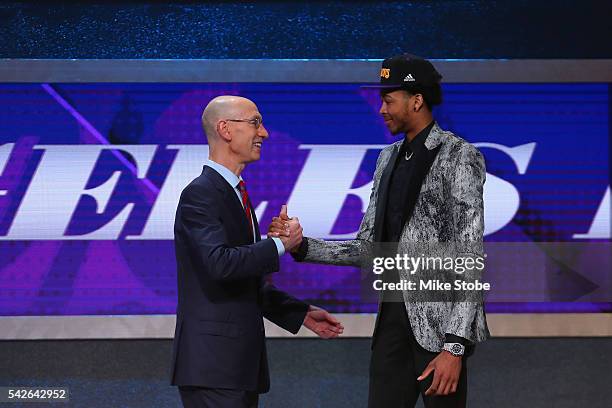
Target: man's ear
[
  {"x": 418, "y": 102},
  {"x": 223, "y": 131}
]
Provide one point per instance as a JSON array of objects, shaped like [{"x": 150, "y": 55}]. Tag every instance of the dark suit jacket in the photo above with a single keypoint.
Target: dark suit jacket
[{"x": 223, "y": 294}]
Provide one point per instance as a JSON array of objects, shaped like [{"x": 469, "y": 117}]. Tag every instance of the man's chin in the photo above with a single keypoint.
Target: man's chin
[
  {"x": 393, "y": 130},
  {"x": 255, "y": 157},
  {"x": 397, "y": 131}
]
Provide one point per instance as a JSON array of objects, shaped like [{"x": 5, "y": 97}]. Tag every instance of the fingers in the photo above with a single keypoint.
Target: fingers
[
  {"x": 333, "y": 335},
  {"x": 331, "y": 318},
  {"x": 435, "y": 385},
  {"x": 324, "y": 328},
  {"x": 426, "y": 372},
  {"x": 334, "y": 329},
  {"x": 327, "y": 333},
  {"x": 293, "y": 223},
  {"x": 444, "y": 380},
  {"x": 443, "y": 386},
  {"x": 279, "y": 221},
  {"x": 287, "y": 228},
  {"x": 279, "y": 227},
  {"x": 447, "y": 386},
  {"x": 326, "y": 320},
  {"x": 283, "y": 212}
]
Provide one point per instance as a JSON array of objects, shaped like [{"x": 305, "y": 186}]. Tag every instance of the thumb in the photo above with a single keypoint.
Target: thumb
[
  {"x": 283, "y": 212},
  {"x": 428, "y": 370}
]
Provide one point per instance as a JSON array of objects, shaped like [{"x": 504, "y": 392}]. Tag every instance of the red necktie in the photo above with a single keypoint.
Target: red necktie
[{"x": 245, "y": 204}]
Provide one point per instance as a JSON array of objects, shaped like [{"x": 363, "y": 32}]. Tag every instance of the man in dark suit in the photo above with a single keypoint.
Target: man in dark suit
[{"x": 219, "y": 353}]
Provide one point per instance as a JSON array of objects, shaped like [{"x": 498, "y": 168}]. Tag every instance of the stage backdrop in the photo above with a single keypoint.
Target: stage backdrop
[{"x": 90, "y": 175}]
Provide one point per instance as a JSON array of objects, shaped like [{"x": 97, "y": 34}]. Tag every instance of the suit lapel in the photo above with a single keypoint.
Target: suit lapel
[
  {"x": 229, "y": 197},
  {"x": 383, "y": 189},
  {"x": 255, "y": 222},
  {"x": 424, "y": 160}
]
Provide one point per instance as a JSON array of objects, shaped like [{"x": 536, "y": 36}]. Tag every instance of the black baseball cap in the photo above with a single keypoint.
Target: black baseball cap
[{"x": 407, "y": 71}]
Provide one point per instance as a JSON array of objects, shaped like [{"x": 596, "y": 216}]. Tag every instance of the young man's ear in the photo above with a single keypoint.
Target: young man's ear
[{"x": 418, "y": 102}]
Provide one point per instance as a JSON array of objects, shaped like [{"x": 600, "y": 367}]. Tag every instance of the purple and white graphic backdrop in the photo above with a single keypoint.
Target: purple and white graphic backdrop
[{"x": 90, "y": 175}]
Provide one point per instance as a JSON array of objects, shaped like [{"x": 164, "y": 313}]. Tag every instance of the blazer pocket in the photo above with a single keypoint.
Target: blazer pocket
[{"x": 225, "y": 329}]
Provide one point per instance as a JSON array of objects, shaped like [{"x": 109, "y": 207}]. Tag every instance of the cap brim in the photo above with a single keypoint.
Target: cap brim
[{"x": 381, "y": 86}]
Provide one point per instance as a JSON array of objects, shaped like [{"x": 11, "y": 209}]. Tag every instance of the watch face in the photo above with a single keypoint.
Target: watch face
[{"x": 456, "y": 349}]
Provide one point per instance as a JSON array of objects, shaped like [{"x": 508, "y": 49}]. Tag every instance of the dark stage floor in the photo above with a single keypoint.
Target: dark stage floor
[{"x": 309, "y": 373}]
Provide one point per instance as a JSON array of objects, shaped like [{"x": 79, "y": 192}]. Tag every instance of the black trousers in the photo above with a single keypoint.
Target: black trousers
[
  {"x": 199, "y": 397},
  {"x": 396, "y": 362}
]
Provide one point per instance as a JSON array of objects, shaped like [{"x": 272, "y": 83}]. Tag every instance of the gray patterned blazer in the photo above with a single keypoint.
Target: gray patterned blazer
[{"x": 448, "y": 209}]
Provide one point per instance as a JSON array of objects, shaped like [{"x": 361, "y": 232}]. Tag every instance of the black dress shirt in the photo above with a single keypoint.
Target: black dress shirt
[{"x": 398, "y": 185}]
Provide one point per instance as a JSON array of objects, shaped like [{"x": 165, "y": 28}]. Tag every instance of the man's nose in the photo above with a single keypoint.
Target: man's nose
[
  {"x": 263, "y": 132},
  {"x": 383, "y": 108}
]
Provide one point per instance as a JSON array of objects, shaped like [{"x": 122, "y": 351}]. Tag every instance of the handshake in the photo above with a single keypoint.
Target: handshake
[{"x": 288, "y": 230}]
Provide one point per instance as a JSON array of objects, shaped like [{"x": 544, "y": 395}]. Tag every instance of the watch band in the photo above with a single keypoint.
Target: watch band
[{"x": 456, "y": 349}]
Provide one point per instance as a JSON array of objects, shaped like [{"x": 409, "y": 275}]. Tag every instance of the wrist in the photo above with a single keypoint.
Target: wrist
[
  {"x": 449, "y": 354},
  {"x": 296, "y": 248},
  {"x": 299, "y": 253},
  {"x": 454, "y": 349}
]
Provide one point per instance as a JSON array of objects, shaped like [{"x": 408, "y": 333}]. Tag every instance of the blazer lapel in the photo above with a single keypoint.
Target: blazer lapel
[
  {"x": 424, "y": 159},
  {"x": 381, "y": 201}
]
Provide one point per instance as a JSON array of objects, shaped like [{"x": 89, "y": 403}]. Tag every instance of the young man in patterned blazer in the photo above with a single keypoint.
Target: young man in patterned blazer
[{"x": 428, "y": 189}]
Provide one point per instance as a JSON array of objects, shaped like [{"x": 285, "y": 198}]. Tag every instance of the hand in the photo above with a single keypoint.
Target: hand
[
  {"x": 287, "y": 229},
  {"x": 293, "y": 241},
  {"x": 280, "y": 226},
  {"x": 446, "y": 368},
  {"x": 322, "y": 323}
]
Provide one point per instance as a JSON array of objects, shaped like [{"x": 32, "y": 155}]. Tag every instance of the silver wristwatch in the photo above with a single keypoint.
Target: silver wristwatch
[{"x": 456, "y": 349}]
